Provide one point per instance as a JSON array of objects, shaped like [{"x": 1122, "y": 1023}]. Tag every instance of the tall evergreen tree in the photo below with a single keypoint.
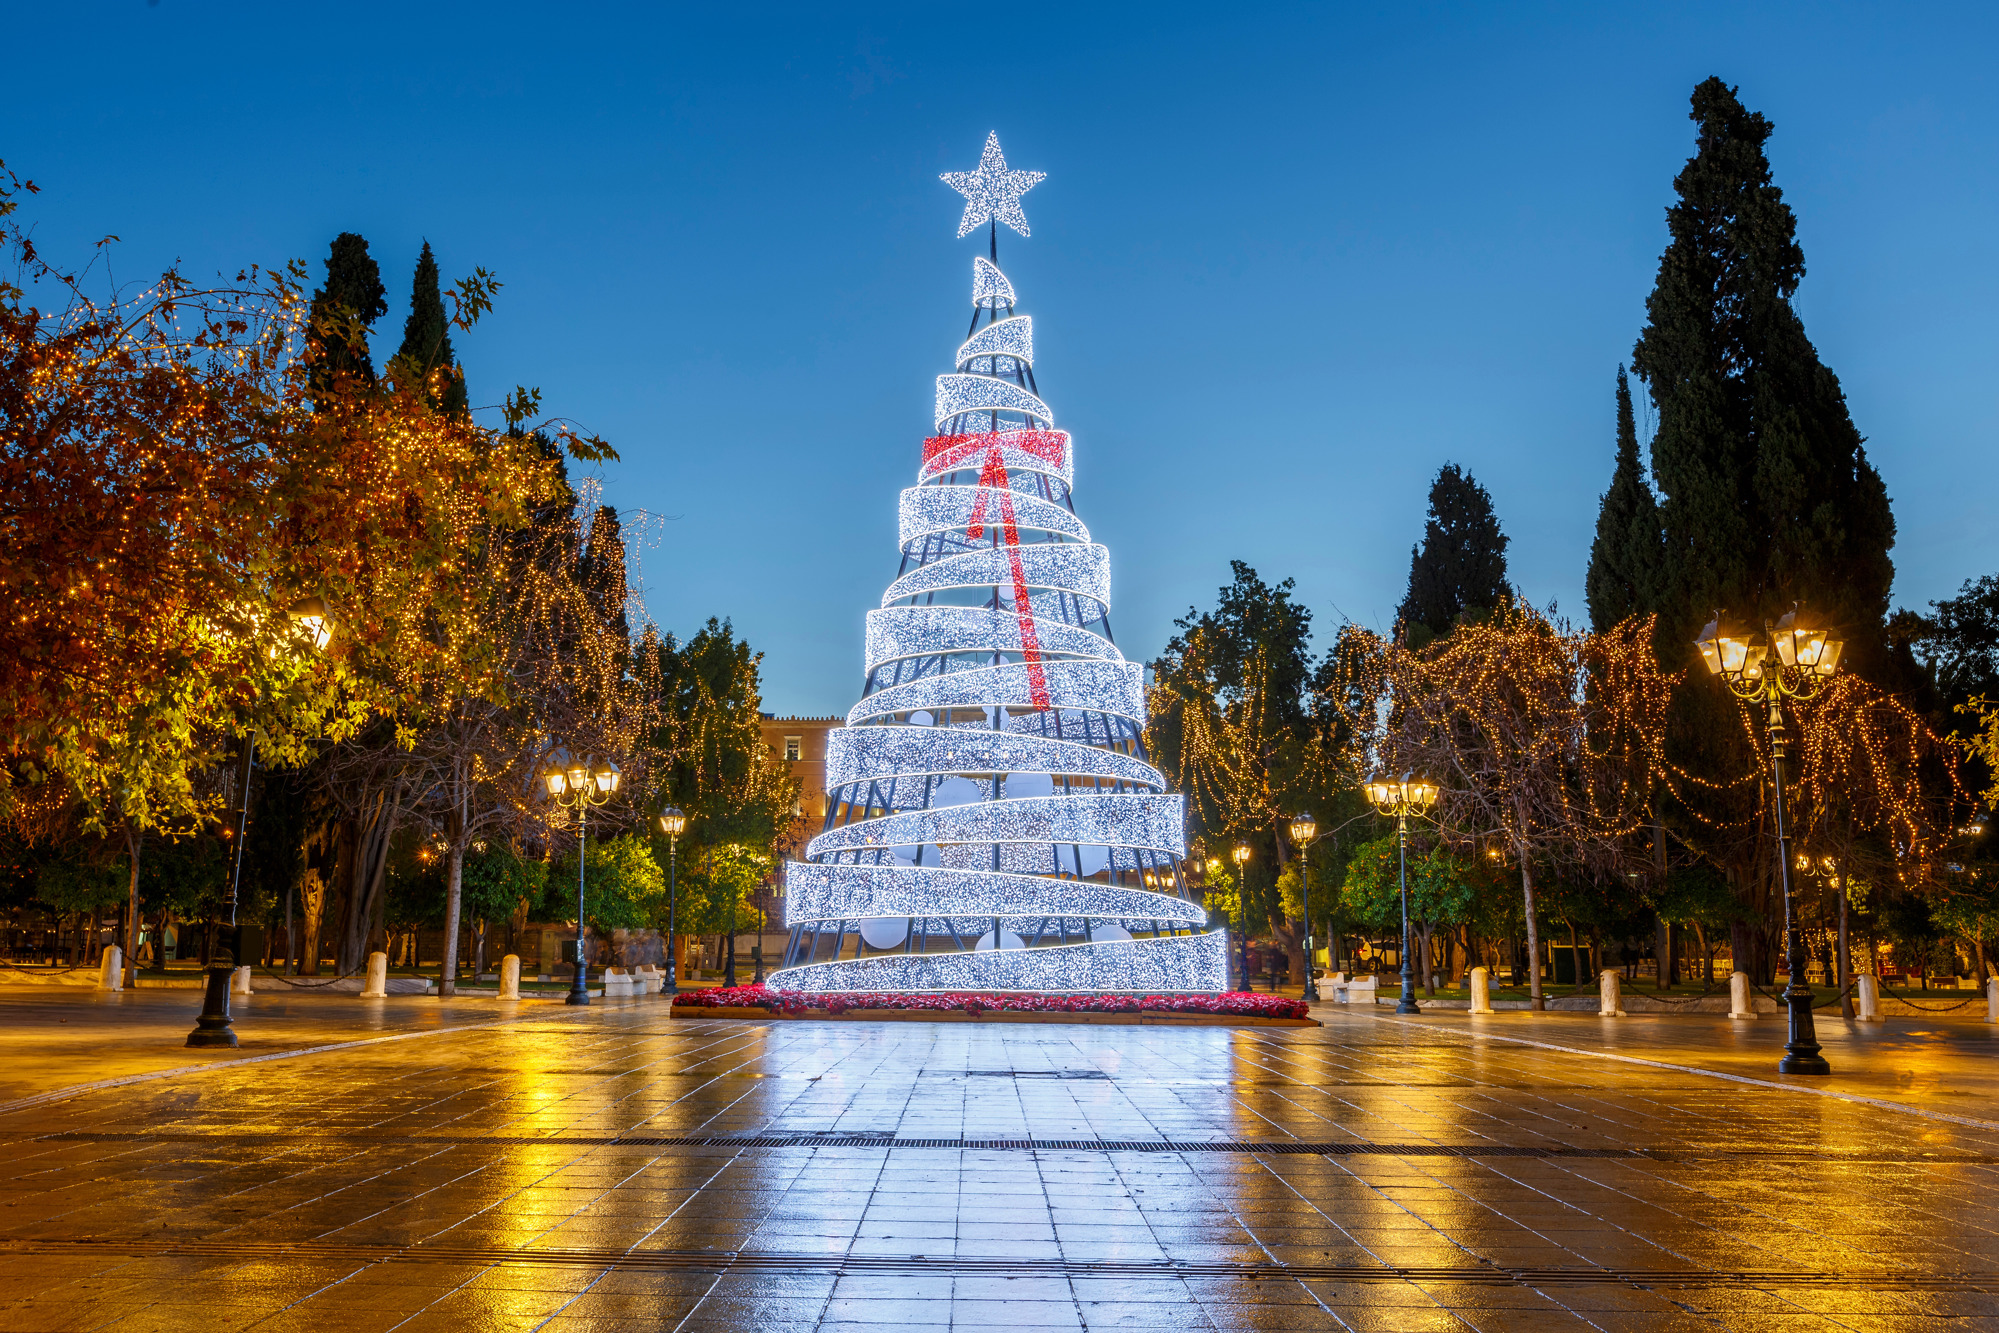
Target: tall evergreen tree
[
  {"x": 1459, "y": 570},
  {"x": 427, "y": 336},
  {"x": 1768, "y": 494},
  {"x": 602, "y": 569},
  {"x": 346, "y": 305},
  {"x": 1624, "y": 560}
]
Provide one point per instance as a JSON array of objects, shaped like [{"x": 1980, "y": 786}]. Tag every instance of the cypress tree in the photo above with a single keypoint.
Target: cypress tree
[
  {"x": 1624, "y": 560},
  {"x": 1459, "y": 571},
  {"x": 1768, "y": 494},
  {"x": 345, "y": 306},
  {"x": 427, "y": 336}
]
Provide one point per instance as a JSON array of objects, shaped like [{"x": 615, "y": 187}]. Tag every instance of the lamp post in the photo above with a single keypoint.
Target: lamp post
[
  {"x": 312, "y": 624},
  {"x": 1805, "y": 660},
  {"x": 672, "y": 823},
  {"x": 1305, "y": 832},
  {"x": 1402, "y": 797},
  {"x": 577, "y": 784},
  {"x": 1241, "y": 855}
]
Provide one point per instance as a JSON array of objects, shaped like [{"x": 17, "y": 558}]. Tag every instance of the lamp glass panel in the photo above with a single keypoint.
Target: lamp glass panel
[{"x": 556, "y": 781}]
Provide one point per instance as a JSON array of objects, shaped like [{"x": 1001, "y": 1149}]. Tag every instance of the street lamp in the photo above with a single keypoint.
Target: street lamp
[
  {"x": 576, "y": 784},
  {"x": 1805, "y": 659},
  {"x": 1402, "y": 797},
  {"x": 1241, "y": 855},
  {"x": 1304, "y": 832},
  {"x": 313, "y": 625},
  {"x": 672, "y": 823}
]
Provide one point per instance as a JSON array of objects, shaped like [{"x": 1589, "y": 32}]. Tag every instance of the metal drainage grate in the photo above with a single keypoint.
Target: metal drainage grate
[{"x": 718, "y": 1261}]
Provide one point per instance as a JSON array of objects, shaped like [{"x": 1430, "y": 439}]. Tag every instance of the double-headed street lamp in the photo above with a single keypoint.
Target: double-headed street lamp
[
  {"x": 1805, "y": 660},
  {"x": 312, "y": 624},
  {"x": 577, "y": 783},
  {"x": 672, "y": 823},
  {"x": 1402, "y": 797},
  {"x": 1305, "y": 832}
]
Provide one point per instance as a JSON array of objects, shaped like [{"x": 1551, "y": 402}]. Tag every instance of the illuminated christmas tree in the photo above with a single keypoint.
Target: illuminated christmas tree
[{"x": 992, "y": 822}]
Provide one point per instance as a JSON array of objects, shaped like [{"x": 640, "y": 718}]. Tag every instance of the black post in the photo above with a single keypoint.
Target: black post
[
  {"x": 1243, "y": 922},
  {"x": 1408, "y": 1004},
  {"x": 1802, "y": 1050},
  {"x": 672, "y": 906},
  {"x": 579, "y": 987},
  {"x": 1305, "y": 892},
  {"x": 213, "y": 1028}
]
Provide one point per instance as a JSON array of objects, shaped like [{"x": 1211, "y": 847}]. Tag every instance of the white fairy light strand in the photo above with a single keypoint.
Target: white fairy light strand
[
  {"x": 853, "y": 892},
  {"x": 1148, "y": 822},
  {"x": 1009, "y": 337},
  {"x": 959, "y": 394},
  {"x": 1175, "y": 964},
  {"x": 1079, "y": 568},
  {"x": 1116, "y": 688},
  {"x": 899, "y": 632},
  {"x": 990, "y": 288},
  {"x": 861, "y": 754},
  {"x": 925, "y": 510}
]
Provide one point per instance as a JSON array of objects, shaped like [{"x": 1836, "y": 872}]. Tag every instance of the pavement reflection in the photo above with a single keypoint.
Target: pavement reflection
[{"x": 614, "y": 1168}]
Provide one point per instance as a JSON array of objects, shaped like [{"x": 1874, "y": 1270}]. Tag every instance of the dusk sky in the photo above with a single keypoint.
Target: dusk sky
[{"x": 1288, "y": 260}]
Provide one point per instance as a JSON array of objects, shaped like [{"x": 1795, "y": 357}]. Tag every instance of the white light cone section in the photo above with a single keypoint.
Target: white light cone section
[
  {"x": 1150, "y": 823},
  {"x": 928, "y": 509},
  {"x": 1116, "y": 688},
  {"x": 922, "y": 631},
  {"x": 1013, "y": 456},
  {"x": 1065, "y": 567},
  {"x": 852, "y": 893},
  {"x": 1174, "y": 965},
  {"x": 1010, "y": 337},
  {"x": 857, "y": 754},
  {"x": 958, "y": 394},
  {"x": 990, "y": 289}
]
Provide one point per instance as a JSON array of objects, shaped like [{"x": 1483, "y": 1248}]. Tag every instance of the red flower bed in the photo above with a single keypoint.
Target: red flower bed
[{"x": 1242, "y": 1004}]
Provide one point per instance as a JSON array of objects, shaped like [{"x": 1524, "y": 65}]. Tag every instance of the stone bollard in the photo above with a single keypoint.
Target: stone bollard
[
  {"x": 1738, "y": 996},
  {"x": 378, "y": 977},
  {"x": 1481, "y": 991},
  {"x": 1869, "y": 988},
  {"x": 239, "y": 981},
  {"x": 510, "y": 977},
  {"x": 1992, "y": 999},
  {"x": 111, "y": 971},
  {"x": 1610, "y": 1000}
]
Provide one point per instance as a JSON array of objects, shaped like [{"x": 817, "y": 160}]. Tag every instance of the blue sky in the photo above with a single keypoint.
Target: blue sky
[{"x": 1287, "y": 261}]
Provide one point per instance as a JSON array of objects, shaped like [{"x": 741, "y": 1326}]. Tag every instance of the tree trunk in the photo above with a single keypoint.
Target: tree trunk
[
  {"x": 368, "y": 871},
  {"x": 134, "y": 844},
  {"x": 1538, "y": 1000},
  {"x": 447, "y": 976}
]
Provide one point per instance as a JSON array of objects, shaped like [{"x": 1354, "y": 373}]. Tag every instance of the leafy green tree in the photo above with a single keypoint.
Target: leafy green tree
[
  {"x": 1624, "y": 560},
  {"x": 1769, "y": 496},
  {"x": 715, "y": 893},
  {"x": 1442, "y": 891},
  {"x": 623, "y": 885},
  {"x": 343, "y": 309},
  {"x": 601, "y": 569},
  {"x": 1459, "y": 571},
  {"x": 1697, "y": 896},
  {"x": 426, "y": 345},
  {"x": 498, "y": 879}
]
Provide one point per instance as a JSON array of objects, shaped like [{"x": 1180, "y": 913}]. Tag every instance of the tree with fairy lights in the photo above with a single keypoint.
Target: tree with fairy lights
[{"x": 992, "y": 821}]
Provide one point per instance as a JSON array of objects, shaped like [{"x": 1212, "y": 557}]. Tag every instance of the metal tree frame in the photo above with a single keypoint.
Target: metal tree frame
[{"x": 991, "y": 668}]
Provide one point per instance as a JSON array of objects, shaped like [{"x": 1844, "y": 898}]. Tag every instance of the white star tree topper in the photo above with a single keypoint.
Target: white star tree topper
[{"x": 992, "y": 191}]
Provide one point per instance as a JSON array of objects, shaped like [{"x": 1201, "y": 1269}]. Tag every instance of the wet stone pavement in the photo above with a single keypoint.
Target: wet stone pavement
[{"x": 613, "y": 1169}]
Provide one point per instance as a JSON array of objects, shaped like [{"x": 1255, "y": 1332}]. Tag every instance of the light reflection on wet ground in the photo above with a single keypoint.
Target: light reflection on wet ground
[{"x": 467, "y": 1180}]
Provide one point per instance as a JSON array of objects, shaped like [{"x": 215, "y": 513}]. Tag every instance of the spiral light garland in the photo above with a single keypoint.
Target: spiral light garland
[{"x": 992, "y": 822}]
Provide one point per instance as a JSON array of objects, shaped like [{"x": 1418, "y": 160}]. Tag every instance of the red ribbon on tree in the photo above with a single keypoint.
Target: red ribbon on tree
[{"x": 993, "y": 481}]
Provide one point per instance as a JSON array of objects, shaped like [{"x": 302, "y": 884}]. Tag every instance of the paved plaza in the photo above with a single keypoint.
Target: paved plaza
[{"x": 418, "y": 1165}]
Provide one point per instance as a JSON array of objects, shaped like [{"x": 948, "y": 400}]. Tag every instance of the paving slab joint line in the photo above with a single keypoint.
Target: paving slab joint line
[
  {"x": 78, "y": 1089},
  {"x": 1854, "y": 1097}
]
